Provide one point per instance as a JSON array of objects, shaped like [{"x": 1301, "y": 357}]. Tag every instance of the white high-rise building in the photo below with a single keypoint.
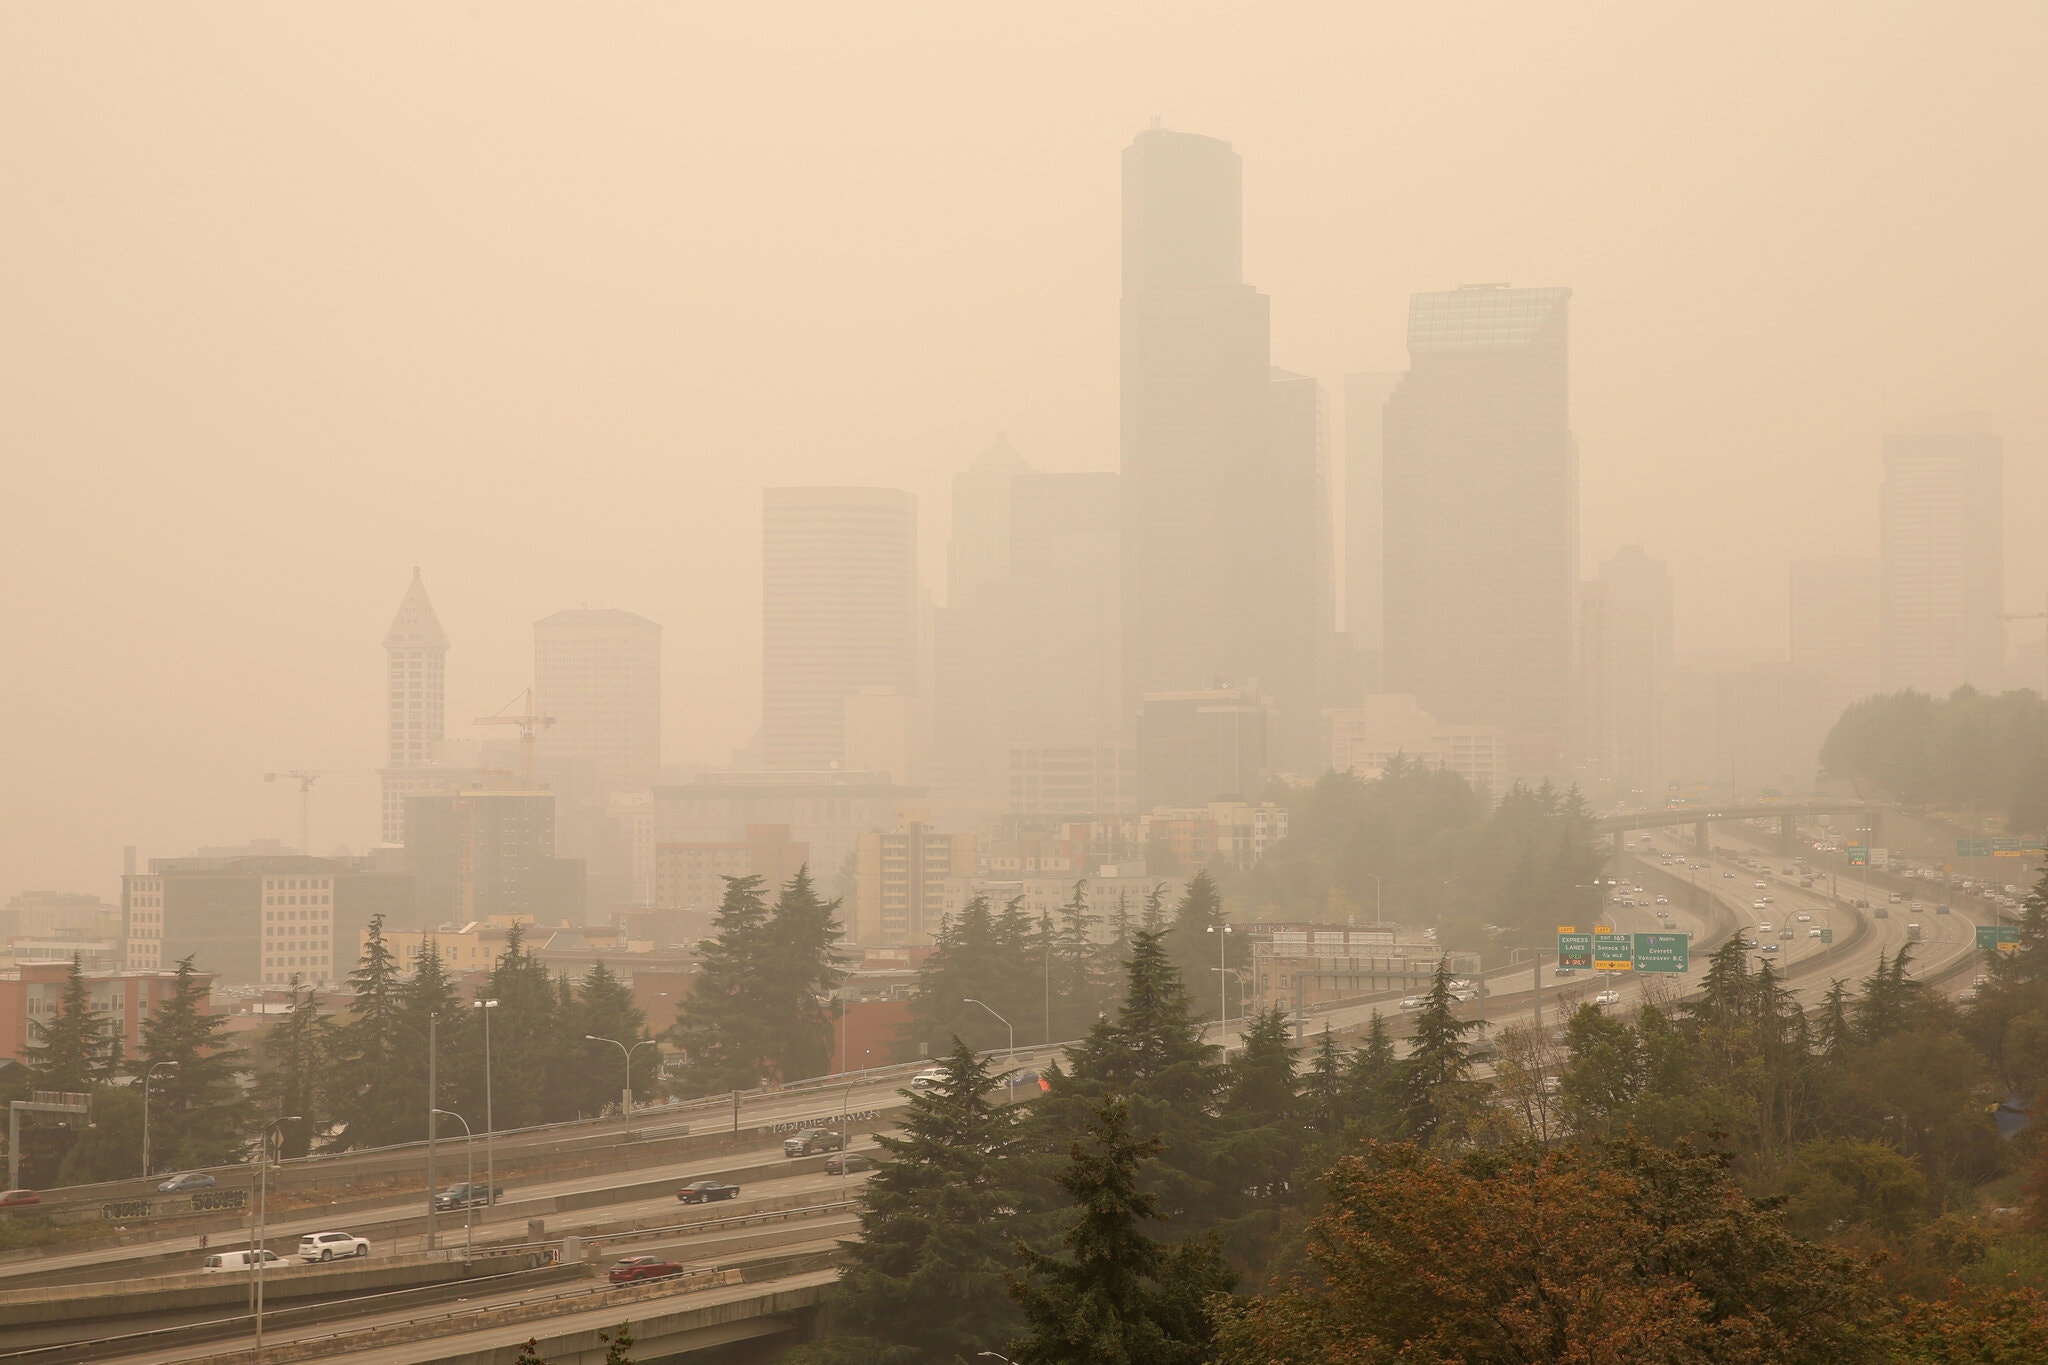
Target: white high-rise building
[
  {"x": 598, "y": 673},
  {"x": 1365, "y": 395},
  {"x": 416, "y": 707},
  {"x": 1625, "y": 674},
  {"x": 1834, "y": 626},
  {"x": 1941, "y": 558},
  {"x": 839, "y": 614}
]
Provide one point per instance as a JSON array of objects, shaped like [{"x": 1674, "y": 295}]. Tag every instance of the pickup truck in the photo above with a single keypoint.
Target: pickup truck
[
  {"x": 464, "y": 1195},
  {"x": 813, "y": 1140}
]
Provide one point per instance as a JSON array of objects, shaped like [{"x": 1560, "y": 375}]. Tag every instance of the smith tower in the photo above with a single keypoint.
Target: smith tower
[{"x": 416, "y": 709}]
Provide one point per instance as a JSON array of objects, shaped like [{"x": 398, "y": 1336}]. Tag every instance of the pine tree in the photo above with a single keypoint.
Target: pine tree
[
  {"x": 975, "y": 956},
  {"x": 1439, "y": 1096},
  {"x": 1199, "y": 938},
  {"x": 1328, "y": 1104},
  {"x": 801, "y": 969},
  {"x": 1834, "y": 1032},
  {"x": 925, "y": 1280},
  {"x": 1117, "y": 1297},
  {"x": 725, "y": 1042},
  {"x": 77, "y": 1049},
  {"x": 604, "y": 1007},
  {"x": 1077, "y": 999},
  {"x": 360, "y": 1098},
  {"x": 292, "y": 1058},
  {"x": 1372, "y": 1080},
  {"x": 197, "y": 1111}
]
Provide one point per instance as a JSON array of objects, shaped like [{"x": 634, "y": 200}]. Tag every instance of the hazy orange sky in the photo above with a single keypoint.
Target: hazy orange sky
[{"x": 539, "y": 298}]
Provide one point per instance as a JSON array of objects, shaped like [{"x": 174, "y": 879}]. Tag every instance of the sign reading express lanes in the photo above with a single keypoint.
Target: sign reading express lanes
[
  {"x": 1662, "y": 952},
  {"x": 1614, "y": 952},
  {"x": 1575, "y": 950}
]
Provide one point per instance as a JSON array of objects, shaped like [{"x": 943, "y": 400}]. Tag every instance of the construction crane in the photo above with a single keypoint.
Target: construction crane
[
  {"x": 305, "y": 781},
  {"x": 2030, "y": 616},
  {"x": 528, "y": 720}
]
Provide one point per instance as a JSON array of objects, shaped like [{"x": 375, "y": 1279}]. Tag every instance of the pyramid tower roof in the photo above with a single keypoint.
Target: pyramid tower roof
[{"x": 415, "y": 623}]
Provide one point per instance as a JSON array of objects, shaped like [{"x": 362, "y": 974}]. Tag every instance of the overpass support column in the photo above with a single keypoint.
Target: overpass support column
[
  {"x": 1699, "y": 837},
  {"x": 1788, "y": 833},
  {"x": 1620, "y": 837}
]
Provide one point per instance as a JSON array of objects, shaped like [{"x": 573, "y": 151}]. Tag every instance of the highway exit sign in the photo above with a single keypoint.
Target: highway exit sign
[
  {"x": 1827, "y": 936},
  {"x": 1574, "y": 950},
  {"x": 1995, "y": 937},
  {"x": 1973, "y": 848},
  {"x": 1662, "y": 952},
  {"x": 1614, "y": 952}
]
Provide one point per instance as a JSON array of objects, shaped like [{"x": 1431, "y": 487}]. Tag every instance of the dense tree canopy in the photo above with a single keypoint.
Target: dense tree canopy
[{"x": 1971, "y": 751}]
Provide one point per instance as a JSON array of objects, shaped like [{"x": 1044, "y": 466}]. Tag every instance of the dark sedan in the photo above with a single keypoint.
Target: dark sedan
[
  {"x": 847, "y": 1162},
  {"x": 704, "y": 1191},
  {"x": 641, "y": 1268},
  {"x": 191, "y": 1180}
]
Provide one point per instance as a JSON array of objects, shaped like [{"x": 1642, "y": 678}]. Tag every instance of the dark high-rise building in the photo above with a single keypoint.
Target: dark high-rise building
[
  {"x": 1481, "y": 518},
  {"x": 1365, "y": 396},
  {"x": 480, "y": 853},
  {"x": 1202, "y": 746},
  {"x": 1223, "y": 478}
]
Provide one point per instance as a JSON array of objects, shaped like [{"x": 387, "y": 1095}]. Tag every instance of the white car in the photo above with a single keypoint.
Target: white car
[
  {"x": 1813, "y": 933},
  {"x": 1414, "y": 1002},
  {"x": 1764, "y": 926},
  {"x": 1607, "y": 998},
  {"x": 925, "y": 1080},
  {"x": 1756, "y": 905},
  {"x": 1804, "y": 918},
  {"x": 1663, "y": 900},
  {"x": 1759, "y": 886},
  {"x": 328, "y": 1246},
  {"x": 1465, "y": 995}
]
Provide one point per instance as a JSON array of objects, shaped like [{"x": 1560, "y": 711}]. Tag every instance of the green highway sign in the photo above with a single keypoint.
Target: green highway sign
[
  {"x": 1614, "y": 952},
  {"x": 1662, "y": 952},
  {"x": 1575, "y": 950},
  {"x": 1973, "y": 848},
  {"x": 1827, "y": 936},
  {"x": 2014, "y": 848},
  {"x": 1993, "y": 937},
  {"x": 1859, "y": 856}
]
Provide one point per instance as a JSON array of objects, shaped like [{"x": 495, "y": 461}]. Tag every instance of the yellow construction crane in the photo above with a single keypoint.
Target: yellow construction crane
[
  {"x": 528, "y": 720},
  {"x": 305, "y": 781}
]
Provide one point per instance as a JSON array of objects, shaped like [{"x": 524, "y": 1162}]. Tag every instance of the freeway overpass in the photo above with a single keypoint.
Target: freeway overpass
[{"x": 1788, "y": 814}]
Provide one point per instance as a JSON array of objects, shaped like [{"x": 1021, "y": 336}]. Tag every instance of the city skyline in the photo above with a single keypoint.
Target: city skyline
[{"x": 1773, "y": 447}]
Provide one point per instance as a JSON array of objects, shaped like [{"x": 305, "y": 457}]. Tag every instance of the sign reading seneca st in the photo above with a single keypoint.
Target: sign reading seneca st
[{"x": 1614, "y": 952}]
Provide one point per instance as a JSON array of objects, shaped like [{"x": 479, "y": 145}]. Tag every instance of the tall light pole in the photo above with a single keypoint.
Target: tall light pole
[
  {"x": 469, "y": 1198},
  {"x": 1238, "y": 972},
  {"x": 1376, "y": 920},
  {"x": 1536, "y": 957},
  {"x": 490, "y": 1122},
  {"x": 1009, "y": 1078},
  {"x": 263, "y": 1219},
  {"x": 845, "y": 1135},
  {"x": 1222, "y": 932},
  {"x": 145, "y": 1111},
  {"x": 625, "y": 1096}
]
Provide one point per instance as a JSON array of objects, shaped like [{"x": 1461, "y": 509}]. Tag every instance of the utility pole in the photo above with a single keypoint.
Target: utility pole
[{"x": 433, "y": 1053}]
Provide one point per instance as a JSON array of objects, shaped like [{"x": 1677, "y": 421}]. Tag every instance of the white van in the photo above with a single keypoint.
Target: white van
[{"x": 224, "y": 1262}]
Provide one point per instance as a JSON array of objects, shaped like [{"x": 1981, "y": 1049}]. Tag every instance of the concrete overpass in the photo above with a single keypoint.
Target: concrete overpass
[{"x": 1788, "y": 814}]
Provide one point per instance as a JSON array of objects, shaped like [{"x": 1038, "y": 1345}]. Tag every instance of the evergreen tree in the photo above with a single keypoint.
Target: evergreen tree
[
  {"x": 542, "y": 1070},
  {"x": 1834, "y": 1031},
  {"x": 1077, "y": 999},
  {"x": 1198, "y": 941},
  {"x": 724, "y": 1039},
  {"x": 1604, "y": 1075},
  {"x": 1117, "y": 1297},
  {"x": 604, "y": 1007},
  {"x": 197, "y": 1112},
  {"x": 970, "y": 960},
  {"x": 1154, "y": 920},
  {"x": 1372, "y": 1083},
  {"x": 1329, "y": 1107},
  {"x": 363, "y": 1103},
  {"x": 800, "y": 970},
  {"x": 291, "y": 1060},
  {"x": 925, "y": 1280},
  {"x": 1439, "y": 1097},
  {"x": 1261, "y": 1082},
  {"x": 77, "y": 1050}
]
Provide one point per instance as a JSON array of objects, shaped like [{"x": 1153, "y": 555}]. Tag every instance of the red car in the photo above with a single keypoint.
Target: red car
[
  {"x": 16, "y": 1198},
  {"x": 641, "y": 1268}
]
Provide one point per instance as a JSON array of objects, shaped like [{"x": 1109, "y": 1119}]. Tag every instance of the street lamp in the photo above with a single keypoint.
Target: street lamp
[
  {"x": 145, "y": 1111},
  {"x": 1375, "y": 900},
  {"x": 626, "y": 1095},
  {"x": 490, "y": 1122},
  {"x": 1222, "y": 932},
  {"x": 1009, "y": 1078},
  {"x": 263, "y": 1218},
  {"x": 469, "y": 1182},
  {"x": 1242, "y": 987}
]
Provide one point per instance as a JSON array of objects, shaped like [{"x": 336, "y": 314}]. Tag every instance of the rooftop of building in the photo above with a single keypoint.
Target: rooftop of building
[
  {"x": 416, "y": 625},
  {"x": 1480, "y": 317}
]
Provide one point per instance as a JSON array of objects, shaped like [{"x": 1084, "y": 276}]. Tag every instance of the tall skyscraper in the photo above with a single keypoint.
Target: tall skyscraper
[
  {"x": 1941, "y": 557},
  {"x": 1291, "y": 633},
  {"x": 1626, "y": 676},
  {"x": 1834, "y": 626},
  {"x": 1365, "y": 396},
  {"x": 598, "y": 673},
  {"x": 416, "y": 713},
  {"x": 1199, "y": 523},
  {"x": 839, "y": 613},
  {"x": 1481, "y": 518}
]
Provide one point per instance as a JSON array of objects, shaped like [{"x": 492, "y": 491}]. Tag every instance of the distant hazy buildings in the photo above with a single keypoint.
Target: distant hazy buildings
[
  {"x": 1366, "y": 738},
  {"x": 598, "y": 673},
  {"x": 31, "y": 995},
  {"x": 691, "y": 876},
  {"x": 1203, "y": 745},
  {"x": 827, "y": 810},
  {"x": 1365, "y": 398},
  {"x": 1481, "y": 517},
  {"x": 1942, "y": 558},
  {"x": 903, "y": 880},
  {"x": 1221, "y": 461},
  {"x": 416, "y": 707},
  {"x": 840, "y": 613},
  {"x": 1626, "y": 681},
  {"x": 1835, "y": 626},
  {"x": 483, "y": 852}
]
